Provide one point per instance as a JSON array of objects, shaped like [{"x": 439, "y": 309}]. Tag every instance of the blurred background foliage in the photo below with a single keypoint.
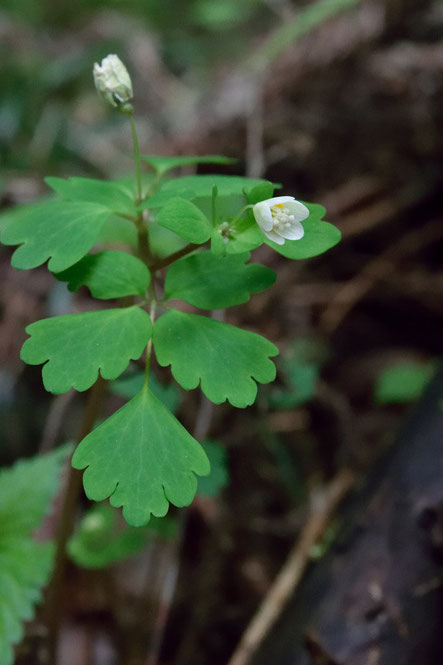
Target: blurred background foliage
[{"x": 49, "y": 113}]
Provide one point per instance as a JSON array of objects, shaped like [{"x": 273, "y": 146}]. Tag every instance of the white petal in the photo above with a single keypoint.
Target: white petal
[
  {"x": 294, "y": 232},
  {"x": 299, "y": 210},
  {"x": 274, "y": 237},
  {"x": 278, "y": 199},
  {"x": 263, "y": 215}
]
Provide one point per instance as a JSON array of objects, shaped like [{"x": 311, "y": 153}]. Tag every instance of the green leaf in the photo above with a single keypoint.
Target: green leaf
[
  {"x": 142, "y": 458},
  {"x": 164, "y": 164},
  {"x": 403, "y": 382},
  {"x": 163, "y": 242},
  {"x": 264, "y": 190},
  {"x": 218, "y": 245},
  {"x": 110, "y": 274},
  {"x": 77, "y": 346},
  {"x": 115, "y": 195},
  {"x": 117, "y": 231},
  {"x": 25, "y": 568},
  {"x": 26, "y": 489},
  {"x": 225, "y": 359},
  {"x": 10, "y": 216},
  {"x": 60, "y": 231},
  {"x": 186, "y": 220},
  {"x": 219, "y": 477},
  {"x": 318, "y": 238},
  {"x": 131, "y": 383},
  {"x": 25, "y": 565},
  {"x": 245, "y": 237},
  {"x": 212, "y": 282},
  {"x": 200, "y": 186},
  {"x": 102, "y": 539}
]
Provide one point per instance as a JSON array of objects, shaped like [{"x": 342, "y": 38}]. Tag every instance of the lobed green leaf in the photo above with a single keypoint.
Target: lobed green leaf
[
  {"x": 318, "y": 238},
  {"x": 212, "y": 282},
  {"x": 109, "y": 274},
  {"x": 75, "y": 347},
  {"x": 225, "y": 360},
  {"x": 186, "y": 220},
  {"x": 115, "y": 195},
  {"x": 60, "y": 231},
  {"x": 142, "y": 458}
]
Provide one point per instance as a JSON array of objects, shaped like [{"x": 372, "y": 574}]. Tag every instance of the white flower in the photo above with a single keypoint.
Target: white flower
[
  {"x": 113, "y": 82},
  {"x": 279, "y": 218}
]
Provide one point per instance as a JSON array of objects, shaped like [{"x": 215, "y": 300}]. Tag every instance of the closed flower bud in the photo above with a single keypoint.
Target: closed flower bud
[{"x": 113, "y": 83}]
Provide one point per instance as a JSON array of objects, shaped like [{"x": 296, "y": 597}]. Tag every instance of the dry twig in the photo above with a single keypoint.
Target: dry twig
[{"x": 323, "y": 505}]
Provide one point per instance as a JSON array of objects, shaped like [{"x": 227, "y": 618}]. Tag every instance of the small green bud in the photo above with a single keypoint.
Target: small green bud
[{"x": 113, "y": 83}]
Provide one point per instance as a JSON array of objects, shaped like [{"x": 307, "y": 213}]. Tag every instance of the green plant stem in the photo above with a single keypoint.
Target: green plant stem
[
  {"x": 138, "y": 171},
  {"x": 240, "y": 214},
  {"x": 143, "y": 234},
  {"x": 149, "y": 345},
  {"x": 162, "y": 263},
  {"x": 66, "y": 524},
  {"x": 144, "y": 251}
]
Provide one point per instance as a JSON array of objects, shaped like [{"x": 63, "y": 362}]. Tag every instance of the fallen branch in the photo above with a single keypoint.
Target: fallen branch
[{"x": 323, "y": 505}]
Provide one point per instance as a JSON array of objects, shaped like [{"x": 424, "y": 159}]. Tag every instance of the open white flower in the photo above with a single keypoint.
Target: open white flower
[
  {"x": 113, "y": 82},
  {"x": 279, "y": 218}
]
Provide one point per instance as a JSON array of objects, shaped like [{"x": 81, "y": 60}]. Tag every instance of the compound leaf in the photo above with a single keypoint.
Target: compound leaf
[
  {"x": 225, "y": 359},
  {"x": 109, "y": 274},
  {"x": 211, "y": 282},
  {"x": 318, "y": 238},
  {"x": 163, "y": 164},
  {"x": 77, "y": 346},
  {"x": 186, "y": 220},
  {"x": 114, "y": 195},
  {"x": 62, "y": 231},
  {"x": 25, "y": 565},
  {"x": 142, "y": 458}
]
